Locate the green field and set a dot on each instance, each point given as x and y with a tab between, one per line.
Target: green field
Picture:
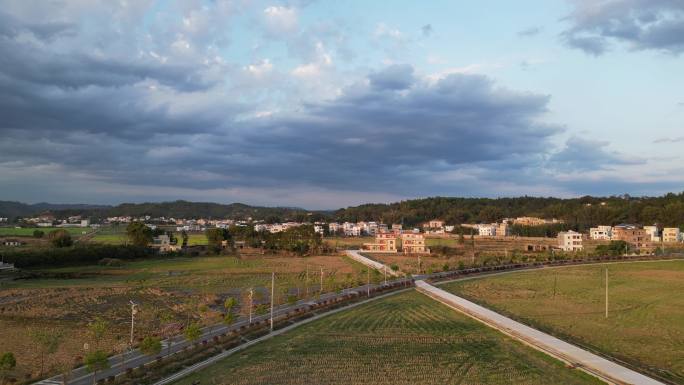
28	231
645	325
403	339
118	237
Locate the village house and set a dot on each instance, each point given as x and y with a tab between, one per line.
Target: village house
652	232
570	241
487	230
671	235
600	233
433	224
384	243
636	237
412	243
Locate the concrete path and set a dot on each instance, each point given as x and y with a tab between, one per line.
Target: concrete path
355	255
589	362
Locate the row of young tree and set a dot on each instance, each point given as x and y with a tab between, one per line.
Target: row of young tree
579	213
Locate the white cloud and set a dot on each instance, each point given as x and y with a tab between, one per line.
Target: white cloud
281	20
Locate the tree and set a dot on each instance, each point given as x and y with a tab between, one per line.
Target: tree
139	234
38	234
60	238
96	361
184	235
7	364
230	303
48	341
193	332
229	318
151	346
215	238
97	330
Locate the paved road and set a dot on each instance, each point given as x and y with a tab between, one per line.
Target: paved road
598	366
119	363
355	255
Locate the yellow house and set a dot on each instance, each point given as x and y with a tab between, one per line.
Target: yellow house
384	243
413	243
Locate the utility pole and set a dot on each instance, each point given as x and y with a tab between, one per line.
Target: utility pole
272	296
368	284
555	284
606	292
385	270
251	304
306	283
321	280
134	311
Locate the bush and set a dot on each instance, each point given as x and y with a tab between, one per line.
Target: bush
110	262
60	238
38	234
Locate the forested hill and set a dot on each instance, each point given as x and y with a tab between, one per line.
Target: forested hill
9	209
580	213
190	210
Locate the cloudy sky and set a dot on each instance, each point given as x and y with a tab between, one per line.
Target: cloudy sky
323	104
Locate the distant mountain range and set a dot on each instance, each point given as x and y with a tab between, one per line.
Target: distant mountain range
176	209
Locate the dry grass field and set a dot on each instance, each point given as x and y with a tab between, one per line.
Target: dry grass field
168	290
404	339
645	326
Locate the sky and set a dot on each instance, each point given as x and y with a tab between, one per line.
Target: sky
326	104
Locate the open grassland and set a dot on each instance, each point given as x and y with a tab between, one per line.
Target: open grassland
348	242
403	339
116	235
177	290
645	326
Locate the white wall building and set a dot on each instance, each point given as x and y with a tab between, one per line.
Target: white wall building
601	233
487	230
570	241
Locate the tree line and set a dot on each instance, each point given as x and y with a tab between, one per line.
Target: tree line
579	213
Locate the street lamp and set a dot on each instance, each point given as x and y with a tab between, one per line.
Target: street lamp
134	311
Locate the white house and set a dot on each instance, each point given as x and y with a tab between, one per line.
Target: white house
570	241
487	230
601	233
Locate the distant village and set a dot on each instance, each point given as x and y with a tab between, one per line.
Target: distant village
394	238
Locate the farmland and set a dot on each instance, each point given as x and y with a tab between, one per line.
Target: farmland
645	326
404	339
28	231
65	300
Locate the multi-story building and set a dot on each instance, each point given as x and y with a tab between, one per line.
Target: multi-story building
600	233
397	227
487	230
503	230
671	235
570	241
413	243
433	224
653	233
636	237
384	243
334	227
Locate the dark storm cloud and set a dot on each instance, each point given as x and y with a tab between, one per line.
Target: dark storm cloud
584	155
396	77
642	24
